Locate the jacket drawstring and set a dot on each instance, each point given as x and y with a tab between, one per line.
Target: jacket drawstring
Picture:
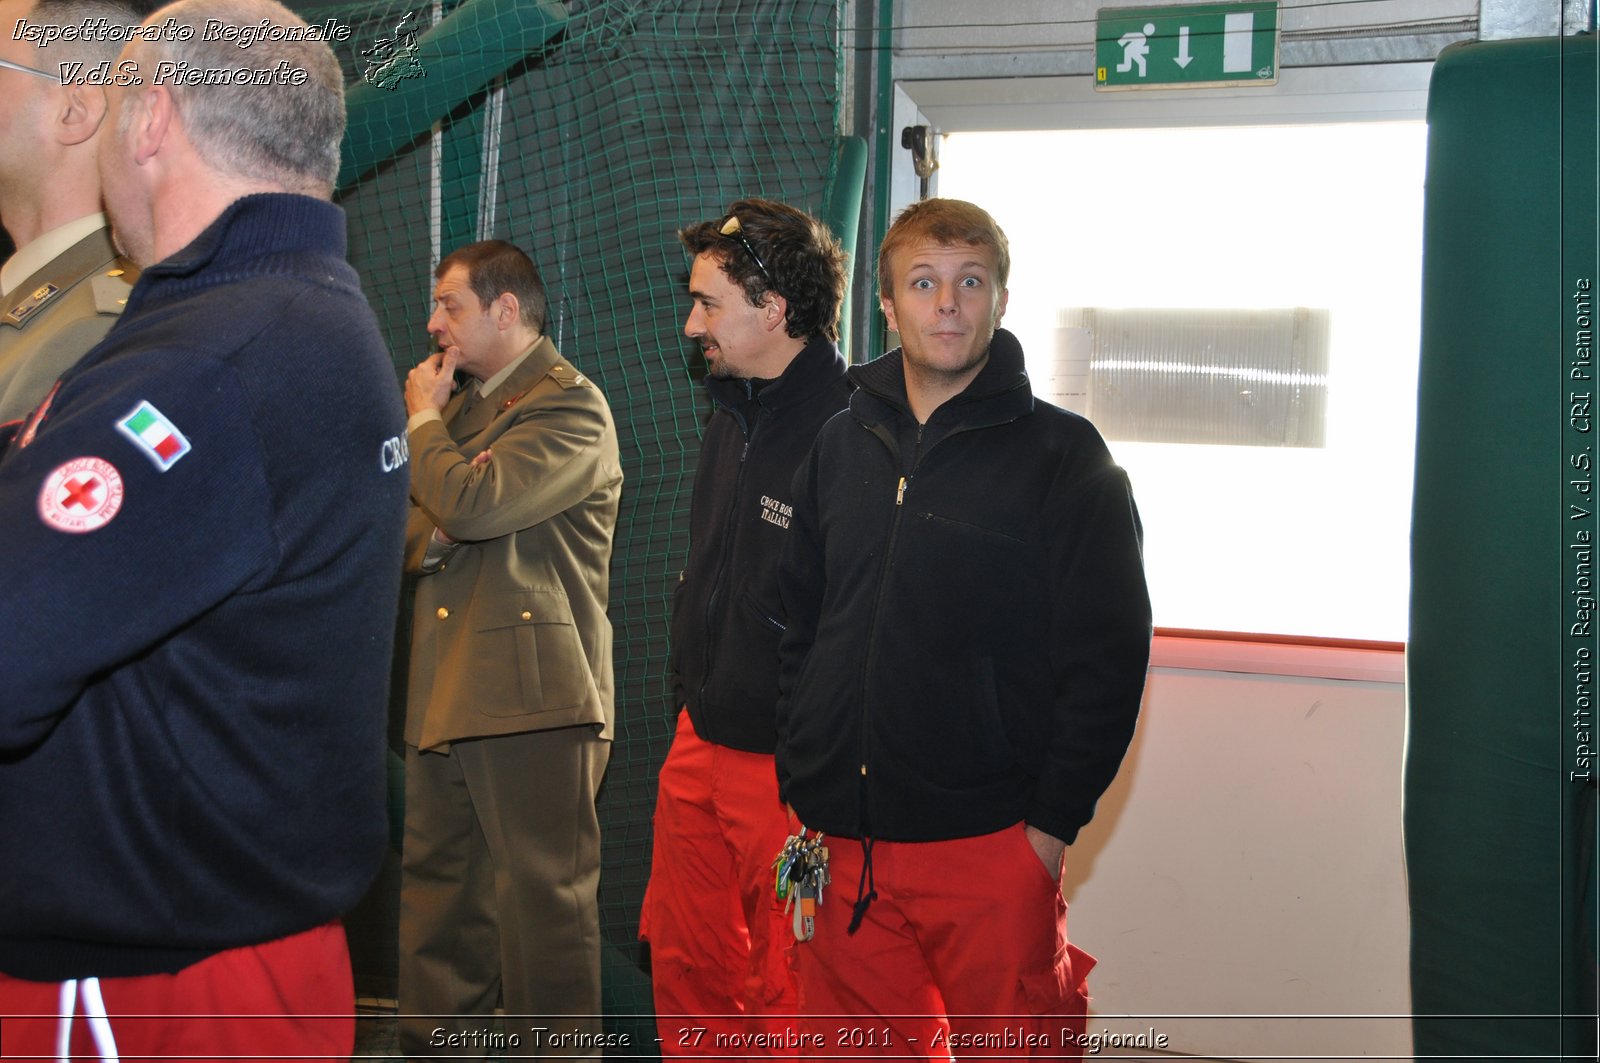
866	891
866	886
94	1013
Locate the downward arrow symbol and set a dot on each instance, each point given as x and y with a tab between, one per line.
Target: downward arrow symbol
1184	58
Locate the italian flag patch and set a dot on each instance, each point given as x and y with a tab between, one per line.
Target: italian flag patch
153	434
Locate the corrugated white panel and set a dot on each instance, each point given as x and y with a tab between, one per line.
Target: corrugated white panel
1239	377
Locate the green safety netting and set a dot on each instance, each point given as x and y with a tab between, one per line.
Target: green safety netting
587	133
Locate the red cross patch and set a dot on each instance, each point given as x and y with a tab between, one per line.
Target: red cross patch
80	496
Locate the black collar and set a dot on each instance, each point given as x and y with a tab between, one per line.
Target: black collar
817	366
1000	392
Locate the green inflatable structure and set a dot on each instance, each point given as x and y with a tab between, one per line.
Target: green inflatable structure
1503	662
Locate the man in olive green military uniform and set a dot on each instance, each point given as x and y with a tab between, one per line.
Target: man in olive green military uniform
516	480
62	289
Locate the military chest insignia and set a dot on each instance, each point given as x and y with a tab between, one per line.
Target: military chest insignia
81	496
30	427
23	310
155	436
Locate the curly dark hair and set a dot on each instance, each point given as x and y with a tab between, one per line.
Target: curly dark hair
802	262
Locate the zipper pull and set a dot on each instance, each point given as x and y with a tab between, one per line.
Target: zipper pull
900	494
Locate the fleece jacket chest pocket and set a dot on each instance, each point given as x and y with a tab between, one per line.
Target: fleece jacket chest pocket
987	564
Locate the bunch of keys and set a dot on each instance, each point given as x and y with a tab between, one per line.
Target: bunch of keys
802	872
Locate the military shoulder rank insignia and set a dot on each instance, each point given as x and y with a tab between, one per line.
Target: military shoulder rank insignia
110	292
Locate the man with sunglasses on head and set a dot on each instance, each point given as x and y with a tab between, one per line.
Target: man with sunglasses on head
765	285
65	285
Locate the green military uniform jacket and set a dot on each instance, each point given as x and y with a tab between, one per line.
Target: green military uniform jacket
510	633
50	320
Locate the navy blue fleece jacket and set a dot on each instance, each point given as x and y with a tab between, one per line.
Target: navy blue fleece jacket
202	537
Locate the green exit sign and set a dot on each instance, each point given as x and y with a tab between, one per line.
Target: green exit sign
1186	47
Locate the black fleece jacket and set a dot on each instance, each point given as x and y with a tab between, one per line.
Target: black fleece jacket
968	621
726	614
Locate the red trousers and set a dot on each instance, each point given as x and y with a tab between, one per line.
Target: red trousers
290	999
963	953
720	943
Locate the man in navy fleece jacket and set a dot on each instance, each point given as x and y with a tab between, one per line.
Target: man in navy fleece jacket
202	526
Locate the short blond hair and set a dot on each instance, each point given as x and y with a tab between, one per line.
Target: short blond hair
948	223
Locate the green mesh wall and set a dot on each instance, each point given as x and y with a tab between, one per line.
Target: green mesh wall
625	121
